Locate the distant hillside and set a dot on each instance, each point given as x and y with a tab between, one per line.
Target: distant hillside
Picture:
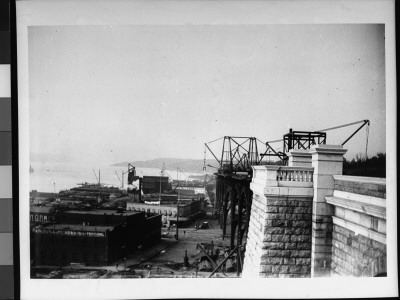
186	165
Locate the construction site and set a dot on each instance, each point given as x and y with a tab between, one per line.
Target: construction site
212	244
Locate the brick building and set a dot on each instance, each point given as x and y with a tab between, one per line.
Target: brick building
97	237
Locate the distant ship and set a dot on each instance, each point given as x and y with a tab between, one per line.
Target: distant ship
31	169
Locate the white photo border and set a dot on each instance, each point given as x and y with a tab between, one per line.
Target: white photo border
90	12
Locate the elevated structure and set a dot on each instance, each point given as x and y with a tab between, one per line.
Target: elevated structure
241	156
311	221
233	194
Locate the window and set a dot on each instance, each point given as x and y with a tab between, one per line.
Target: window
45	218
41	218
31	217
36	218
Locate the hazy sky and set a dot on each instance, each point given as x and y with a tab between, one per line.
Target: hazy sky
122	93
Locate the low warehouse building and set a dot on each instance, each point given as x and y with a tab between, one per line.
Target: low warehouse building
97	237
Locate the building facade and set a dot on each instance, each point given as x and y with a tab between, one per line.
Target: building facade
41	214
189	210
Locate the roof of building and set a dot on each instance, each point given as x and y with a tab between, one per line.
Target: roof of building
101	212
151	178
75	227
41	209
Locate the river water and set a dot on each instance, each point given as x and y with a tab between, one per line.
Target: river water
57	176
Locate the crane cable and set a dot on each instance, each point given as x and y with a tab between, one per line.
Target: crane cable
204	165
215	140
205	150
366	149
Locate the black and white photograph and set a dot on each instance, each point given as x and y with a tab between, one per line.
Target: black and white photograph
170	145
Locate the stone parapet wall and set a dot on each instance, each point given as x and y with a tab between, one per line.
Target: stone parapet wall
375	187
359	227
356	255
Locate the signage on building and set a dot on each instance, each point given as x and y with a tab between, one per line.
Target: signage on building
195	189
152	202
69	232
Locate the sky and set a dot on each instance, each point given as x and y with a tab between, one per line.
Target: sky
122	93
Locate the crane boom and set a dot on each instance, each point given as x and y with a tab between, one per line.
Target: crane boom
95	175
118	177
345	125
337	127
365	122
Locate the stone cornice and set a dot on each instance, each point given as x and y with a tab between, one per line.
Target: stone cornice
328	150
374	180
368	209
299	153
363	199
295	192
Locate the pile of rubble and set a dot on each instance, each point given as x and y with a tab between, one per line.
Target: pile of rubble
213	256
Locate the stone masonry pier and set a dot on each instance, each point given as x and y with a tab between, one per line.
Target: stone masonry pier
279	238
308	220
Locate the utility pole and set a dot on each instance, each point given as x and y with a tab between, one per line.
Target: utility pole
177	217
177	208
99	189
159	197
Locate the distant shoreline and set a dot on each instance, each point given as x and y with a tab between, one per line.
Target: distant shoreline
186	165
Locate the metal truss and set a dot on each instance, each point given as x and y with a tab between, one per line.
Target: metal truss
302	139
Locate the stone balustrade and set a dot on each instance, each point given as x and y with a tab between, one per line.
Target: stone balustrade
283	176
302	174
